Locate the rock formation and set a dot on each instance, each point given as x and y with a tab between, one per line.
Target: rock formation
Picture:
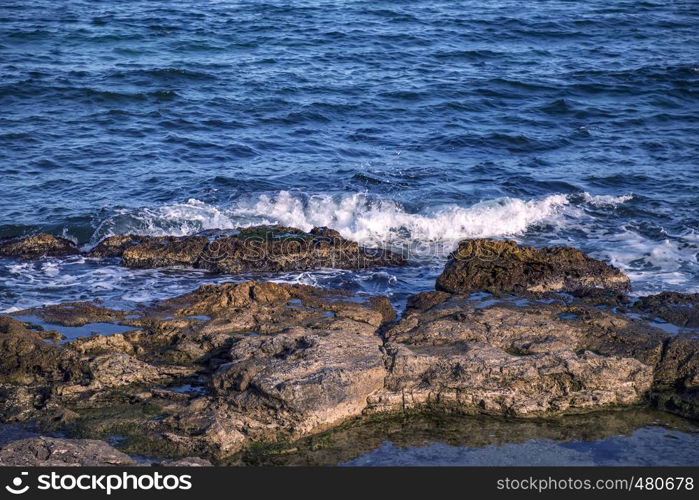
504	266
215	372
40	245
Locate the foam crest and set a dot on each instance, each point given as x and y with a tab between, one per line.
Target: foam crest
363	219
356	216
606	200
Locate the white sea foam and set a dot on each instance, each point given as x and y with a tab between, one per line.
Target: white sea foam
606	200
669	261
357	216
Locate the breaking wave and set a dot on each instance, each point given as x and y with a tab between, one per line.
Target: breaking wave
356	216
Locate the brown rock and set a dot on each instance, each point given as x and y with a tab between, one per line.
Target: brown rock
119	369
261	360
213	371
302	380
474	377
164	251
503	266
29	359
523	326
518	358
681	309
258	248
53	452
114	246
40	245
74	314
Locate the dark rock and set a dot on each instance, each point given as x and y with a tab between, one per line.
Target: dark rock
53	452
40	245
164	251
258	248
114	246
74	314
29	359
278	248
503	266
326	232
186	462
676	387
681	309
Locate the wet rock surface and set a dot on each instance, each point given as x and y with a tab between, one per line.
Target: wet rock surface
680	309
504	266
73	313
40	245
267	248
52	452
257	248
419	429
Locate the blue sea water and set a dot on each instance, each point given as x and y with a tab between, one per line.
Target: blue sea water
405	124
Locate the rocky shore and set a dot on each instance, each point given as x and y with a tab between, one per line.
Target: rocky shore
509	332
268	248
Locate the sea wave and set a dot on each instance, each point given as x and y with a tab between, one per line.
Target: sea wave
606	200
357	216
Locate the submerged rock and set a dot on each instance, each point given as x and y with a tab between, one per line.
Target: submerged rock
186	462
53	452
427	428
40	245
504	266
